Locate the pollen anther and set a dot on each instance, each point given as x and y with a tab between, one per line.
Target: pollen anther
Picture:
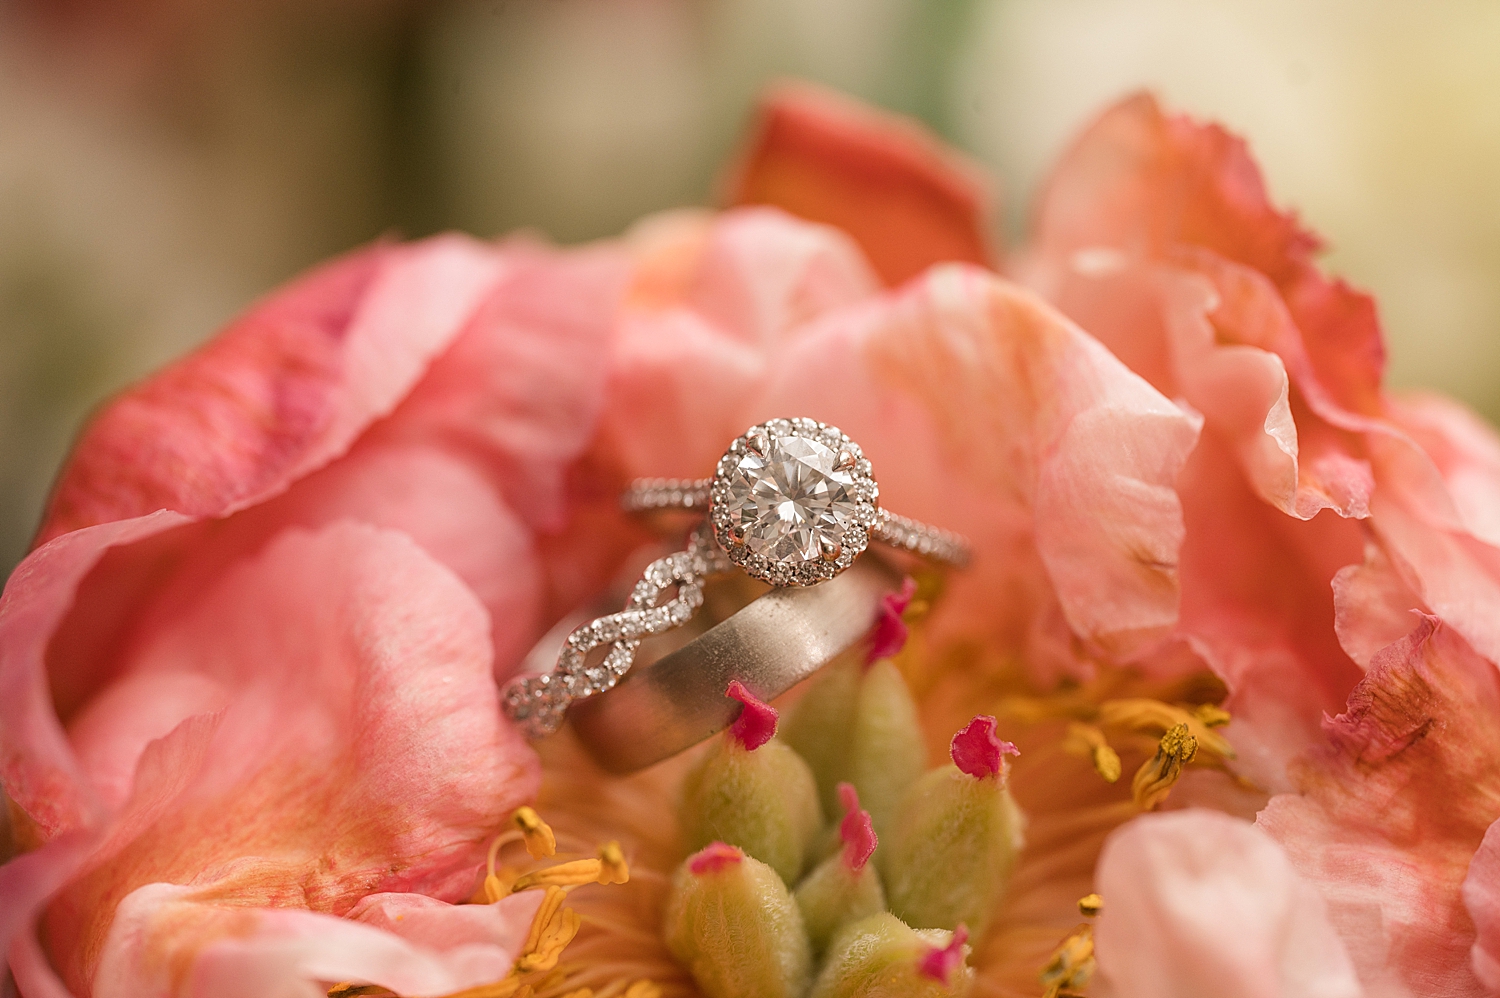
1154	780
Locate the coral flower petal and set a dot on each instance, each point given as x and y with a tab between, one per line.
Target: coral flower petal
282	392
1391	812
1482	899
357	748
1142	182
906	199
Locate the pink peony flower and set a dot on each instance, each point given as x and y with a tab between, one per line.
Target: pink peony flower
248	721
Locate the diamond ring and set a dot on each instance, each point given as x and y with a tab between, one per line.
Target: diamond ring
793	503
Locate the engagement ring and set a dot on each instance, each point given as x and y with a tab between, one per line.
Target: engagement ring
793	503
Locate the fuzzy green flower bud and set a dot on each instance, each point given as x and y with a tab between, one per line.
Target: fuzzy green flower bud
731	922
843	888
754	792
858	724
948	857
882	957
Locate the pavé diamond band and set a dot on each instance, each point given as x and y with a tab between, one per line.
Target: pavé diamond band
793	503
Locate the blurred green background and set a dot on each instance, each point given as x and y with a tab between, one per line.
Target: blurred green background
162	162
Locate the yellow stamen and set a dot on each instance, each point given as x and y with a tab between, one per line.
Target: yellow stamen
643	989
1071	964
574	874
1153	716
506	987
540	842
612	866
1087	740
1211	716
350	990
1154	780
551	930
1090	905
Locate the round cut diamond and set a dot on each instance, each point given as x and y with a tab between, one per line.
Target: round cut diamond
791	502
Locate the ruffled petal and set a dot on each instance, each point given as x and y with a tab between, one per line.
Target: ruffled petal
986	412
1199	903
906	199
1146	184
1389	814
280	393
1481	893
359	748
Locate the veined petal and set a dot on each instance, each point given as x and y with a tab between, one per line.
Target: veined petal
1389	815
359	750
1200	903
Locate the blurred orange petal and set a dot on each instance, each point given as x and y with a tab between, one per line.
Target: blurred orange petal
906	199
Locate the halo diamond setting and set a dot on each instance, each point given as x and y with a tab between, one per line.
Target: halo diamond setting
793	502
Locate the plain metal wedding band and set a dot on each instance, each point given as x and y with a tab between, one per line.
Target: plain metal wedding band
772	644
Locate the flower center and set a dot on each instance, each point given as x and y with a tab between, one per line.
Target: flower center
792	502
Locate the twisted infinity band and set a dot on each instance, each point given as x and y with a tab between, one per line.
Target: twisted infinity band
793	503
537	703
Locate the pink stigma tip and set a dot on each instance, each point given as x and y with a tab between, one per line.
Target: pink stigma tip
714	857
855	831
890	632
757	721
939	963
977	751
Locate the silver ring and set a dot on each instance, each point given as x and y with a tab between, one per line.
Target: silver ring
793	503
772	644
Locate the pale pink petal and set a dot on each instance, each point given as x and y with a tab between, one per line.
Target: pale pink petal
1481	892
442	926
1199	903
1390	812
1417	520
1466	451
685	372
762	274
283	391
361	749
165	942
1373	606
